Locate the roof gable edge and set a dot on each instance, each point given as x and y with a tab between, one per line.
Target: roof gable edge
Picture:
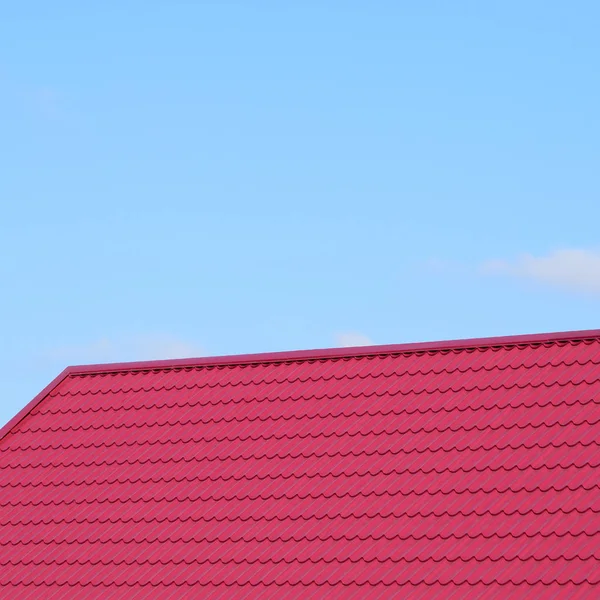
7	428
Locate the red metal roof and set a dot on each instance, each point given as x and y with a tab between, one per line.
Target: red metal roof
459	469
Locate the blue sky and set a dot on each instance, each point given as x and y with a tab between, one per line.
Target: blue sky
191	178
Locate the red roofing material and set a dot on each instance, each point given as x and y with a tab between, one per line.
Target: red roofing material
459	469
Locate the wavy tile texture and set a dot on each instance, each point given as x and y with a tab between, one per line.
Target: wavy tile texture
442	473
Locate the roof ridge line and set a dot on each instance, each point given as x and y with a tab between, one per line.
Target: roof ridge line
299	355
334	353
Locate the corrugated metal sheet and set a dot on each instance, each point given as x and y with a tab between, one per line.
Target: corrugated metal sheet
429	472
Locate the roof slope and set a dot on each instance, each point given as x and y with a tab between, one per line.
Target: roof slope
461	469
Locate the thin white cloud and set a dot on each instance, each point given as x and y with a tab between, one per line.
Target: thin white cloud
132	348
573	269
350	339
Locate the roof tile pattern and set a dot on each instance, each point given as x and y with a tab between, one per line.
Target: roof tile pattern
465	472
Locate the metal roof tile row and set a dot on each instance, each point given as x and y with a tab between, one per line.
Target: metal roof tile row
468	470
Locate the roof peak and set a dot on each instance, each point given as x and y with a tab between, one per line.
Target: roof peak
331	353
